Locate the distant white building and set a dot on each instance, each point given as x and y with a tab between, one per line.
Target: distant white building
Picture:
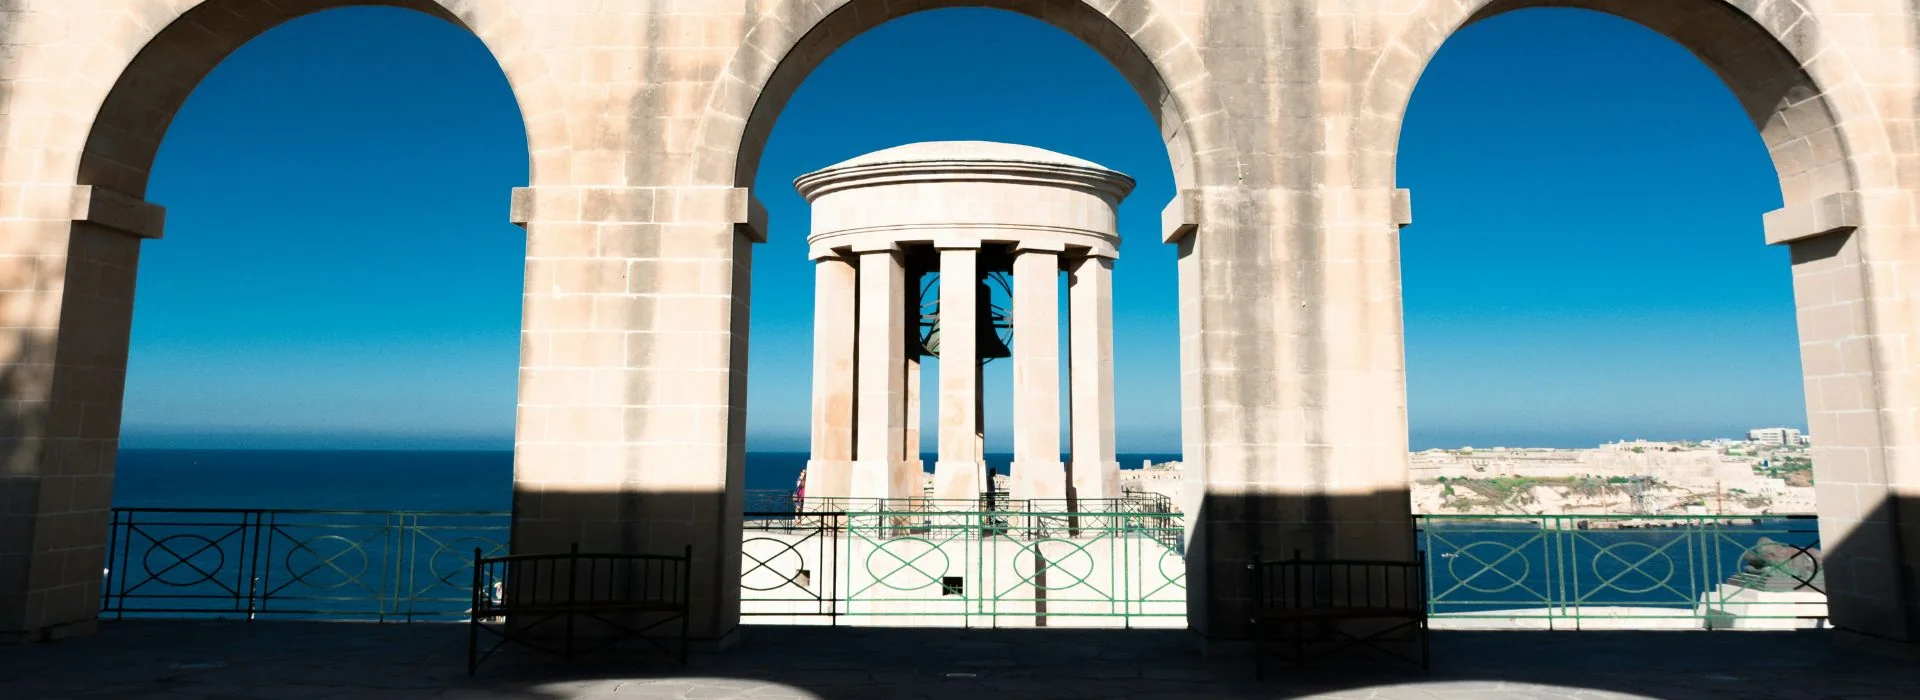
1774	436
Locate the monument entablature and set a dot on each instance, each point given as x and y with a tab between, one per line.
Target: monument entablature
965	194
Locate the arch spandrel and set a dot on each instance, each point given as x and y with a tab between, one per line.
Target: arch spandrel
787	40
1798	87
145	59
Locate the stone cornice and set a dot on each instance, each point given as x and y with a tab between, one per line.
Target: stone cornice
1112	185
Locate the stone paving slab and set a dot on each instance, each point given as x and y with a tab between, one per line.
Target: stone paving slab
300	660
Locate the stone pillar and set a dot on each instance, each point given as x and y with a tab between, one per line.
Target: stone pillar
1860	385
631	431
1096	469
959	473
879	469
1293	390
67	267
1037	470
830	468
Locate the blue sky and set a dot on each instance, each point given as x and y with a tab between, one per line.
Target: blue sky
1586	261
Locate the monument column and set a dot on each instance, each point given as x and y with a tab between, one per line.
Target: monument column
880	435
959	473
830	468
1037	471
1096	469
910	342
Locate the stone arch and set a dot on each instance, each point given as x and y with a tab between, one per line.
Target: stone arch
1844	219
125	132
783	45
1768	52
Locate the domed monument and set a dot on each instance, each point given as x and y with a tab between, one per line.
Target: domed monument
909	245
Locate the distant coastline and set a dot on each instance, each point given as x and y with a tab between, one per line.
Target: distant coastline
381	479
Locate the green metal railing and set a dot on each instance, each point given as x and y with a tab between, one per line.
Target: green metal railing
922	564
1582	567
967	568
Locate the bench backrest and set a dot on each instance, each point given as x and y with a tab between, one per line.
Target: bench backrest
1308	585
581	579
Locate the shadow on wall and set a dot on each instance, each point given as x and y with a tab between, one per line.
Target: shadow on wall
26	424
1228	533
19	493
547	521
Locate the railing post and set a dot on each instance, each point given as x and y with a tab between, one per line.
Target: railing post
257	585
113	544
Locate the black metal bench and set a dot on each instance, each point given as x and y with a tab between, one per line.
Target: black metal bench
1297	593
518	597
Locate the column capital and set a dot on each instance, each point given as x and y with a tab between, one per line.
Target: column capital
129	215
1055	247
1834	213
954	243
1181	217
869	247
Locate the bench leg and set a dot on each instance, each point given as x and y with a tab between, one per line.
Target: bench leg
1259	665
568	645
1299	643
1424	646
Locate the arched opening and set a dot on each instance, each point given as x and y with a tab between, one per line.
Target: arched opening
320	247
361	216
758	85
911	80
1715	319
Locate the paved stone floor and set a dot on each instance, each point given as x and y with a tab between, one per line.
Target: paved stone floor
343	660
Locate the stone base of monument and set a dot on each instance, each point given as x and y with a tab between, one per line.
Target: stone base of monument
1733	607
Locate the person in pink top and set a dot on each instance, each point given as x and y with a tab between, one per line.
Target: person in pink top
800	491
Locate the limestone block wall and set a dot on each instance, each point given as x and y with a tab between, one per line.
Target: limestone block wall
646	120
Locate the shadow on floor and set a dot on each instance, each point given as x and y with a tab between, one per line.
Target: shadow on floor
178	659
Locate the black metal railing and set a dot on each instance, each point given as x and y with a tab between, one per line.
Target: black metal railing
789	564
250	563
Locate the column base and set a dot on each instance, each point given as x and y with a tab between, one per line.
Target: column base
829	479
1882	646
1037	480
1214	648
714	645
1096	480
959	480
917	472
51	633
893	480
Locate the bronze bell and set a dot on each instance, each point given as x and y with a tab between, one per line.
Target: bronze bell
987	324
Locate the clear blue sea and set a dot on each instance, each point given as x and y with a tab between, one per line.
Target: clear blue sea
376	480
